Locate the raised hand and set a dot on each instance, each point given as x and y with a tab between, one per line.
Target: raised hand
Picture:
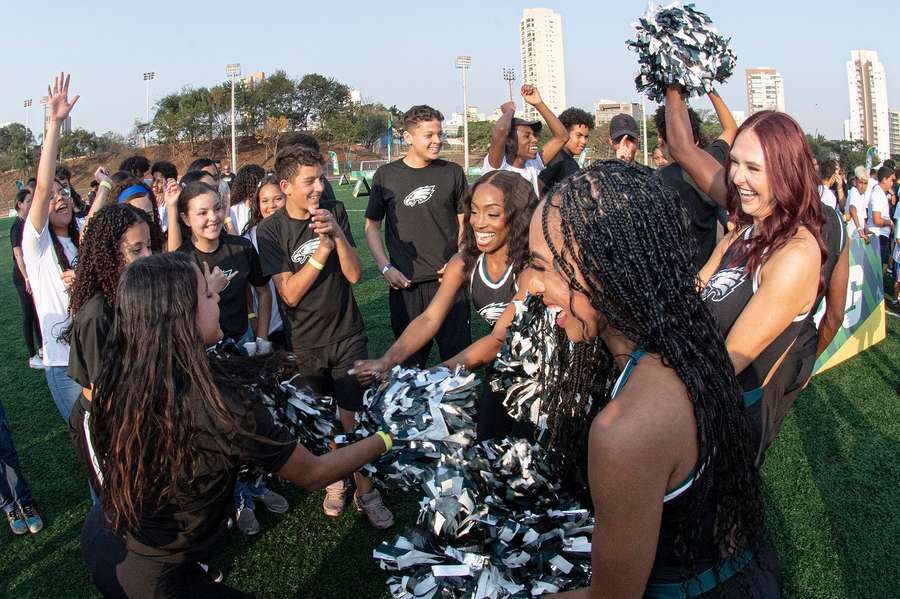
531	95
508	107
58	104
101	175
171	193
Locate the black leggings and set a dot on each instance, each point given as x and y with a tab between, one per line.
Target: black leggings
119	573
31	327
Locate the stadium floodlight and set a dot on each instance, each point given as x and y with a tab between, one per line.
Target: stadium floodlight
27	105
233	70
148	77
463	63
509	75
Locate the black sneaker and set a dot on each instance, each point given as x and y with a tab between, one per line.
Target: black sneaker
214	573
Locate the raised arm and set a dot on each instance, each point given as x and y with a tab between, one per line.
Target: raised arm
497	150
103	190
58	108
701	166
726	119
560	134
173	231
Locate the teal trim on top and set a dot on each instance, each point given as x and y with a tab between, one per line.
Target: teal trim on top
752	396
701	583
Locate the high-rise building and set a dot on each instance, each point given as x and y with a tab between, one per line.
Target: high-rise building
739	117
355	97
65	126
605	110
869	119
541	46
765	90
253	79
894	127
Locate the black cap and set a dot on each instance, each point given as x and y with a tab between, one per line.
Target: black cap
535	125
623	124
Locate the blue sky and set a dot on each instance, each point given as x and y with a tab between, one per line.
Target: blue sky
402	52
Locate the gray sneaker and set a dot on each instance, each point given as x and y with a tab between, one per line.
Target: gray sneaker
274	502
246	521
373	506
335	498
16	521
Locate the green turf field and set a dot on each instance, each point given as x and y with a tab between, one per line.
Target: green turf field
831	484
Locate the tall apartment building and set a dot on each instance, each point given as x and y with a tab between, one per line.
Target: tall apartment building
541	47
765	90
869	119
894	127
605	110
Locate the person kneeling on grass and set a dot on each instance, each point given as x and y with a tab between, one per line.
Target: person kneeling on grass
169	437
307	248
491	269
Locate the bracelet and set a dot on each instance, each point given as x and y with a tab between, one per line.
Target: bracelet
386	268
228	220
315	263
251	315
106	185
388	441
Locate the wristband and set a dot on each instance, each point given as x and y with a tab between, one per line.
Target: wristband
388	442
316	264
106	185
227	220
251	315
386	268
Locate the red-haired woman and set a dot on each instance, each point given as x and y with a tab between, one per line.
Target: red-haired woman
763	279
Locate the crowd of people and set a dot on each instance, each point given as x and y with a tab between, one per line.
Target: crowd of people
705	331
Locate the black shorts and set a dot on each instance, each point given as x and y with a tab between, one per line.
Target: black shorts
325	369
455	333
884	243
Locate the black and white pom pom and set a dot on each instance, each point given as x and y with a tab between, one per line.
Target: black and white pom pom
679	44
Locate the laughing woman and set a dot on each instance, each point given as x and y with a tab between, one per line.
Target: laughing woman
675	490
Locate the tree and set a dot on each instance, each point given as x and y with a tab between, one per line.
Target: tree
78	142
318	98
480	136
270	132
17	149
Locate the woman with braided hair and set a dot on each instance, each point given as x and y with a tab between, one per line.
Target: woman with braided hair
243	189
675	490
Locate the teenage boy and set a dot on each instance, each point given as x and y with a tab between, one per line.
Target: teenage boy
579	124
421	197
623	137
308	250
514	142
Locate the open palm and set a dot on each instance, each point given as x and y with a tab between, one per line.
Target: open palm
58	104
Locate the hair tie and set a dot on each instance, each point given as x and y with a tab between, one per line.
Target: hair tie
133	191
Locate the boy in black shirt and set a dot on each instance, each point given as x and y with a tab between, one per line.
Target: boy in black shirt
579	124
308	250
422	198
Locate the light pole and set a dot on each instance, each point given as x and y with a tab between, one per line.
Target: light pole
463	63
27	105
148	77
509	75
233	70
44	102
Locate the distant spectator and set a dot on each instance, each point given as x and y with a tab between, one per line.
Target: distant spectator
857	206
879	217
624	139
136	165
579	125
828	174
159	172
31	328
659	157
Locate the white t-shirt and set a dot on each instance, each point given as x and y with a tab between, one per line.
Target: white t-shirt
878	202
275	322
163	217
530	171
240	214
858	200
51	300
896	221
827	196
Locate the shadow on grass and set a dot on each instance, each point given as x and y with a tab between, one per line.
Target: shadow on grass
853	464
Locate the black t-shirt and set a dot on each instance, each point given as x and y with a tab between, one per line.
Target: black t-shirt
327	313
701	209
233	254
422	207
90	328
15	238
192	524
562	166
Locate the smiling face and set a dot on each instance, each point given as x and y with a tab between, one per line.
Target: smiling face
207	317
575	314
425	139
305	189
578	139
488	218
23	207
60	208
205	215
271	198
748	173
135	243
526	142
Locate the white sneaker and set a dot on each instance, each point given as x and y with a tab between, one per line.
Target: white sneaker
36	362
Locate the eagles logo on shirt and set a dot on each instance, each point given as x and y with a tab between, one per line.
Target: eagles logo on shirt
419	195
723	283
227	274
492	312
302	253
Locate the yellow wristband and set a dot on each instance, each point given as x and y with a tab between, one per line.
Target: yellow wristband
316	264
227	220
106	184
251	316
388	441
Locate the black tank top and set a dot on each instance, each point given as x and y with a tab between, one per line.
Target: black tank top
726	294
490	298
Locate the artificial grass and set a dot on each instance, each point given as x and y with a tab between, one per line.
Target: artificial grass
831	483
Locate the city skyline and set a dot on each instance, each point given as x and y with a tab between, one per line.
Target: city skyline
542	58
410	66
868	98
765	90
